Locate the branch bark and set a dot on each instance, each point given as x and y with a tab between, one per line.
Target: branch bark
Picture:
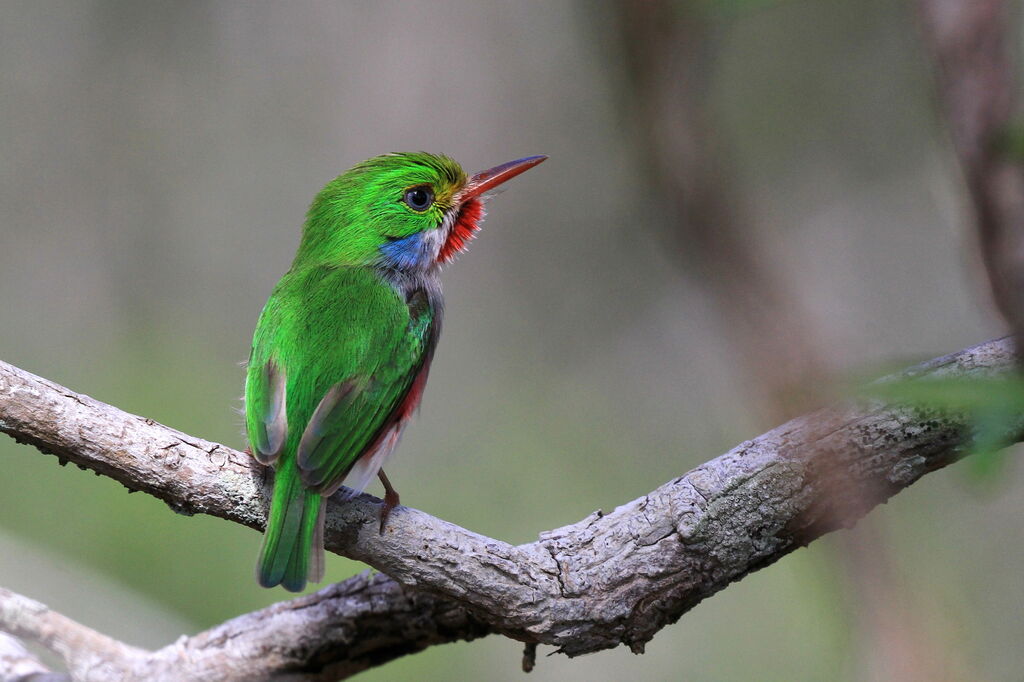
18	664
328	635
87	653
607	580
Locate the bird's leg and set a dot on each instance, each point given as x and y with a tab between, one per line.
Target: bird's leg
390	499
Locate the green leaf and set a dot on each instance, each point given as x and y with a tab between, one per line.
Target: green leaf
1010	140
994	407
953	394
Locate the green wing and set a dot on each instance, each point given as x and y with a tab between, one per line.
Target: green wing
349	350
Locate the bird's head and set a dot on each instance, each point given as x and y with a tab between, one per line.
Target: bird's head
410	211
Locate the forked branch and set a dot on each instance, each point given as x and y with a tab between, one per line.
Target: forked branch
607	580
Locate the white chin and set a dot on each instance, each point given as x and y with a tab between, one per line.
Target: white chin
434	239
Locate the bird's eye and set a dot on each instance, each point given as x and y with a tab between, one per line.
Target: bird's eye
419	198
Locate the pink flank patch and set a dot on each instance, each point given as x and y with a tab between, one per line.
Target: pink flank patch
463	231
412	398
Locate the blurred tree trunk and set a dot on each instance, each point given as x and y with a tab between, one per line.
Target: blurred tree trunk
670	50
970	45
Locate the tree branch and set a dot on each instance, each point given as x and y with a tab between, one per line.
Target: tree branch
19	664
87	653
328	635
609	579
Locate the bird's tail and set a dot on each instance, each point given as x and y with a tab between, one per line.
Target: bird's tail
293	545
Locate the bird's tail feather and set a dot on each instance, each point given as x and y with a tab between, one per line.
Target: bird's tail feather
292	550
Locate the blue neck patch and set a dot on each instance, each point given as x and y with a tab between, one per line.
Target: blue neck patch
407	253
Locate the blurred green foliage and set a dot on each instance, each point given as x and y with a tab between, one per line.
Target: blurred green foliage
992	407
1010	141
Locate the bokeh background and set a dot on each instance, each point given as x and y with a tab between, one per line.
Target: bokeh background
601	337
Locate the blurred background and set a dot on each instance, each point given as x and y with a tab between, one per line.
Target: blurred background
746	202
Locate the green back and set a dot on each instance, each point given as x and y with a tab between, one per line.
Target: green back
327	327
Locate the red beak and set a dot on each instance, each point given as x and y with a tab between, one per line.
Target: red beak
492	177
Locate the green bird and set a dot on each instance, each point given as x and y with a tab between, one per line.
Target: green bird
342	349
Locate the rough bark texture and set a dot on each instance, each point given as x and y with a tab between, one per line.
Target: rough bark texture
329	635
609	579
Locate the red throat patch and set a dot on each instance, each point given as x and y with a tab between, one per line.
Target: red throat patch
463	230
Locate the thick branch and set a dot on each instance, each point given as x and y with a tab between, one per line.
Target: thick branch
18	663
329	635
610	579
87	653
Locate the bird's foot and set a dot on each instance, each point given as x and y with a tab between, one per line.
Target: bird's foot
391	500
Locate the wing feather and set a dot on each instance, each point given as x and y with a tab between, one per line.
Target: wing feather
346	429
363	352
361	416
312	445
271	426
